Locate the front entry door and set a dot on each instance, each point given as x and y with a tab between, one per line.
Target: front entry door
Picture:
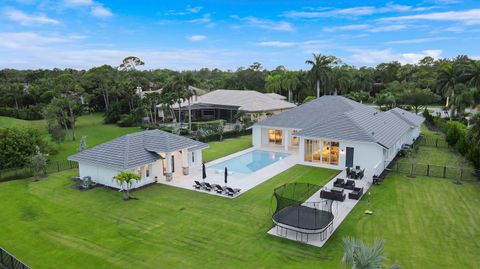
349	157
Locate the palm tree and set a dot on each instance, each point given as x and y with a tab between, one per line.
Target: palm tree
188	94
446	81
321	66
274	83
290	81
180	88
472	74
126	178
361	256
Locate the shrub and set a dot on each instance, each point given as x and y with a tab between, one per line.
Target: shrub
428	117
210	125
113	113
131	120
29	113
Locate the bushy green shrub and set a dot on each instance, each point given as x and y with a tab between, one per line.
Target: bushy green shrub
428	117
133	119
113	113
29	113
210	125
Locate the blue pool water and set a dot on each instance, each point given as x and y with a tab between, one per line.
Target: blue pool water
250	162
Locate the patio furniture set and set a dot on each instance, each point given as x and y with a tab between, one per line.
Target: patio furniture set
228	191
337	192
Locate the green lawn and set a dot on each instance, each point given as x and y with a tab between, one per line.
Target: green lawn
226	147
12	122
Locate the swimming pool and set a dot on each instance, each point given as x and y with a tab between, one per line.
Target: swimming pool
250	162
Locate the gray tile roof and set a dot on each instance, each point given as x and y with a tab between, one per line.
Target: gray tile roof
249	101
339	118
135	149
411	118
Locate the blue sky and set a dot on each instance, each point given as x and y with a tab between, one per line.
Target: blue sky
228	34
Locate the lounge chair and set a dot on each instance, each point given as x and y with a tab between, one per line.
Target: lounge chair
207	186
219	189
231	192
339	182
198	185
350	184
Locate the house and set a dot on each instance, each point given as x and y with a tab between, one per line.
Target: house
153	154
224	104
336	132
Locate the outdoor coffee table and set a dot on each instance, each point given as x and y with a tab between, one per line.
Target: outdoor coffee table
336	189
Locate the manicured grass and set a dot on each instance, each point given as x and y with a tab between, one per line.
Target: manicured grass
226	147
95	130
12	122
48	224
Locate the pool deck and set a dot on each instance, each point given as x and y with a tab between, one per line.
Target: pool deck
340	210
244	182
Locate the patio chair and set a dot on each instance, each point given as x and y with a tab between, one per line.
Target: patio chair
350	185
357	167
348	170
198	185
219	189
356	194
339	182
231	192
361	174
207	186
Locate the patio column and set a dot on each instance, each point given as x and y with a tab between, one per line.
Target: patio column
185	166
285	138
168	172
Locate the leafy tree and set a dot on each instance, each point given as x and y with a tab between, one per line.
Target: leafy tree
385	99
125	179
418	97
18	145
472	74
308	99
290	82
321	67
130	63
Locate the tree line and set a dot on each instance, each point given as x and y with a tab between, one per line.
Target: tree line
61	95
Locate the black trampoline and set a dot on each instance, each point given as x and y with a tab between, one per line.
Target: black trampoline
304	219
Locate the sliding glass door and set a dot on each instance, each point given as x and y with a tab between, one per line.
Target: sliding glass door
326	152
275	137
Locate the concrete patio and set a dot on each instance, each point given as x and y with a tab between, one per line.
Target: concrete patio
340	210
244	182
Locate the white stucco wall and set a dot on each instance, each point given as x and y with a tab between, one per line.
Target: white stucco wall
256	136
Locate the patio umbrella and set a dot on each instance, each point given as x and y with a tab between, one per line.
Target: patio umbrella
226	175
204	172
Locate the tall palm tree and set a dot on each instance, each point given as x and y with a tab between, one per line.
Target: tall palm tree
188	94
180	87
446	81
321	66
290	82
472	74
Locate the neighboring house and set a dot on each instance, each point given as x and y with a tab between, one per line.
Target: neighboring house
224	104
153	154
336	132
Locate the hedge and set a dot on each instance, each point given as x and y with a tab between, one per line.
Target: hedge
213	125
30	113
230	134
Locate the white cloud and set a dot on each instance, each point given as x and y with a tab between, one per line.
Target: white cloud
417	40
265	24
78	2
346	27
101	11
28	19
188	10
388	28
354	11
279	44
372	57
25	40
196	37
468	17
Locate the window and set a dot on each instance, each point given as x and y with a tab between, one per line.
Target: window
193	157
140	171
275	136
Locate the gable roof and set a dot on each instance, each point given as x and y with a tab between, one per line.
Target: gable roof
339	118
135	149
249	101
411	118
276	96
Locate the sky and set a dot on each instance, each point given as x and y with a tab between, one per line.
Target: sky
187	35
